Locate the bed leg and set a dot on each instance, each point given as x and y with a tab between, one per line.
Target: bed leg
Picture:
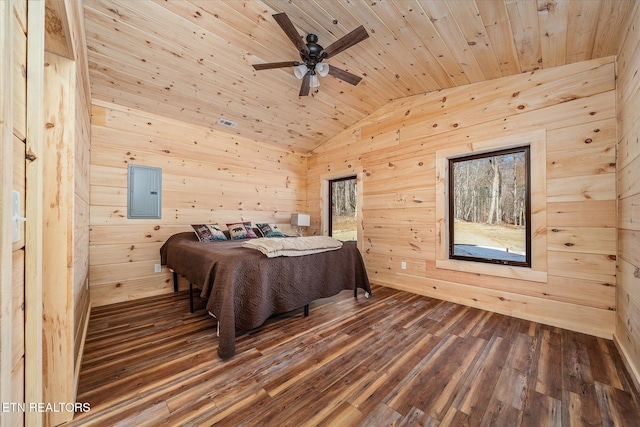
191	297
306	310
355	294
175	282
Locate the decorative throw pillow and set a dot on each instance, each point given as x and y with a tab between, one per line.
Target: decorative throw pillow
241	230
216	232
270	230
208	232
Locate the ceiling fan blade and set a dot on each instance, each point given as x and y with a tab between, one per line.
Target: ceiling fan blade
271	65
287	26
304	88
344	75
345	42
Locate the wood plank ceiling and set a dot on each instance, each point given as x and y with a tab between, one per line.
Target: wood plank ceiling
192	60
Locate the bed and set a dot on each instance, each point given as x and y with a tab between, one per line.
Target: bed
243	287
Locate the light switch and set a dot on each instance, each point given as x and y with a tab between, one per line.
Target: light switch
16	218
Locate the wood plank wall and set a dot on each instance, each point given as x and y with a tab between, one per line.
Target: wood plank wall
208	176
81	156
19	90
65	242
34	206
13	108
627	331
57	287
394	151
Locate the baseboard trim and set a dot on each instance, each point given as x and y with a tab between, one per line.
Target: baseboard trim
76	374
633	373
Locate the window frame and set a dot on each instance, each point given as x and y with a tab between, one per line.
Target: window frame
526	149
330	198
465	143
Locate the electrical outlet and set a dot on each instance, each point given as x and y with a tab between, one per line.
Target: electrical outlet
403	265
158	268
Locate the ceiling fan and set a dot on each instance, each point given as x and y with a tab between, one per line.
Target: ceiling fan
312	55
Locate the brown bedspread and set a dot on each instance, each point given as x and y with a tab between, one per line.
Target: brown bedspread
243	287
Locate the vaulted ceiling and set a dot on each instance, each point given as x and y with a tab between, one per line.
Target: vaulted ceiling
192	60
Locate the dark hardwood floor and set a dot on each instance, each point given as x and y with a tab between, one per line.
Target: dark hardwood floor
394	359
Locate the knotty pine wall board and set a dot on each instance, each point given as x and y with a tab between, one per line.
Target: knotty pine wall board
571	104
628	146
591	240
19	74
13	51
581	150
65	38
629	179
628	212
431	112
149	138
66	227
133	233
591	213
581	110
627	332
208	176
134	286
418	139
629	245
123	252
81	203
627	274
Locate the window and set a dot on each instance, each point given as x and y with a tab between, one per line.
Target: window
343	221
489	207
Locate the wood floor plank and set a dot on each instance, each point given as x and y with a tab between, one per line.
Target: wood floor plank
392	359
454	417
541	410
479	386
394	373
614	406
584	411
382	415
501	414
549	374
515	380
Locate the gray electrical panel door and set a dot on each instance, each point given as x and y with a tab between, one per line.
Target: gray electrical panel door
144	192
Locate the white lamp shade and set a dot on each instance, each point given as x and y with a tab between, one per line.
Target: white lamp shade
322	69
315	81
300	70
300	220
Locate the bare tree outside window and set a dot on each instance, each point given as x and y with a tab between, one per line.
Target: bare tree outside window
489	204
343	213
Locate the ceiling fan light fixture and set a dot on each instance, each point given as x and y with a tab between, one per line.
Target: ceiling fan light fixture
300	70
322	69
315	81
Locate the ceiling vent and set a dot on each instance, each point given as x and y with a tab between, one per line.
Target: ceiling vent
227	123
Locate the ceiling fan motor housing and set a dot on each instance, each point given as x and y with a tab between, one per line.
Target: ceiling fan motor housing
314	55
